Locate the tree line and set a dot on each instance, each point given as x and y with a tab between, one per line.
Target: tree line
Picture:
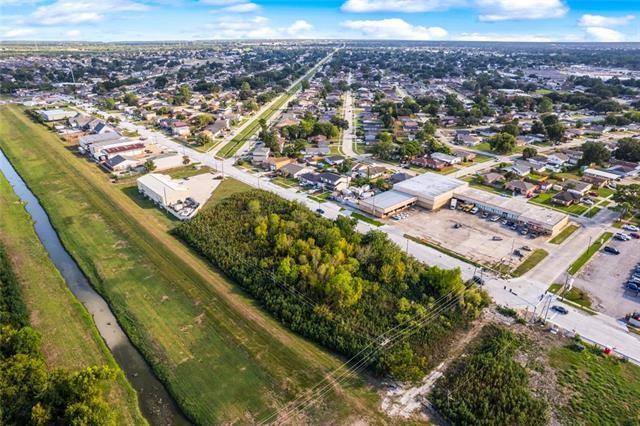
326	281
30	393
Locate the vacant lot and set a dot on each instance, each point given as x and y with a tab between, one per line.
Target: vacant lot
604	277
69	337
473	240
220	355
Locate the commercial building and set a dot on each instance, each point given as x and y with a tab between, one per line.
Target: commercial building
387	203
180	197
56	114
432	191
537	219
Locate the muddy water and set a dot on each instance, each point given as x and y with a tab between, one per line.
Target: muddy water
156	404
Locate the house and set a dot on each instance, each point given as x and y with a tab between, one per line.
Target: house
334	181
276	163
310	179
399	177
576	186
493	179
520	168
180	128
464	155
315	151
538	161
521	187
121	164
557	159
430	163
260	155
80	121
565	198
334	160
573	156
293	170
87	141
217	128
446	158
128	149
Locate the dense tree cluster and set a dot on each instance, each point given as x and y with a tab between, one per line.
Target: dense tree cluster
628	149
326	281
489	387
30	394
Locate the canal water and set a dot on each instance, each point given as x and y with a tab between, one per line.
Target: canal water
156	404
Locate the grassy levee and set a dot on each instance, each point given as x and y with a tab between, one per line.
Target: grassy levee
70	339
221	357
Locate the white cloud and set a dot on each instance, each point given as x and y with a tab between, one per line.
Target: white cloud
395	29
605	34
64	12
256	27
503	37
505	10
17	32
604	21
241	8
72	33
298	27
221	2
360	6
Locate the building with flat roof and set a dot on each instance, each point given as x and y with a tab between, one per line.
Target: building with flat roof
538	219
56	114
387	203
431	190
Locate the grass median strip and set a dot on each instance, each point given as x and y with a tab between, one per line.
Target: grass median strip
367	219
530	262
564	234
223	358
575	295
593	249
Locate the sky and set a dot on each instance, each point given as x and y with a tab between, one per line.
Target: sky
468	20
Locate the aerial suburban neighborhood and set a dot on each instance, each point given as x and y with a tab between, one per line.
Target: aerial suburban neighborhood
320	231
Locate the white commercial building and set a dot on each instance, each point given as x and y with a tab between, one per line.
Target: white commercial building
431	190
56	114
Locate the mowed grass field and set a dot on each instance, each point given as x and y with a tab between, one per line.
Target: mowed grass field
222	357
70	340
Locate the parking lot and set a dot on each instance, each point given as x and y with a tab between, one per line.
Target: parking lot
478	239
604	278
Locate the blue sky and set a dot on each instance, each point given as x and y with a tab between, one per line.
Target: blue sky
500	20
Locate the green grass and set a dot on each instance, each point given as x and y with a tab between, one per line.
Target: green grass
70	339
221	356
285	182
600	390
187	171
367	219
226	188
593	249
530	262
592	212
564	234
544	200
605	192
575	295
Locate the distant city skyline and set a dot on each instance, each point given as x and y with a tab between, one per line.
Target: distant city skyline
465	20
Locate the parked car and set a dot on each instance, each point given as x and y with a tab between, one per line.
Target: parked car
518	253
319	211
628	227
620	237
560	309
496	238
611	250
526	248
495	218
632	286
634	235
474	210
457	225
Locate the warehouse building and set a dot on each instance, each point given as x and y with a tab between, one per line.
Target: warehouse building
431	190
180	197
538	219
387	203
55	114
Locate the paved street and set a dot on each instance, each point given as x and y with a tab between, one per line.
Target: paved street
349	134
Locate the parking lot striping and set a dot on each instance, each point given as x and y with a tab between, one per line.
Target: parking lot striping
593	249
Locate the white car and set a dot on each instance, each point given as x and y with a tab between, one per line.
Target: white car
630	228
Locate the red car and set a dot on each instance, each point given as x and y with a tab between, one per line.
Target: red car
635	235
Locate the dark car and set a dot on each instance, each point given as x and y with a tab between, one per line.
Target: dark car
611	250
478	280
635	235
319	211
633	286
560	309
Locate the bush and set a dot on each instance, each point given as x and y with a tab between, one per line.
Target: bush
326	281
